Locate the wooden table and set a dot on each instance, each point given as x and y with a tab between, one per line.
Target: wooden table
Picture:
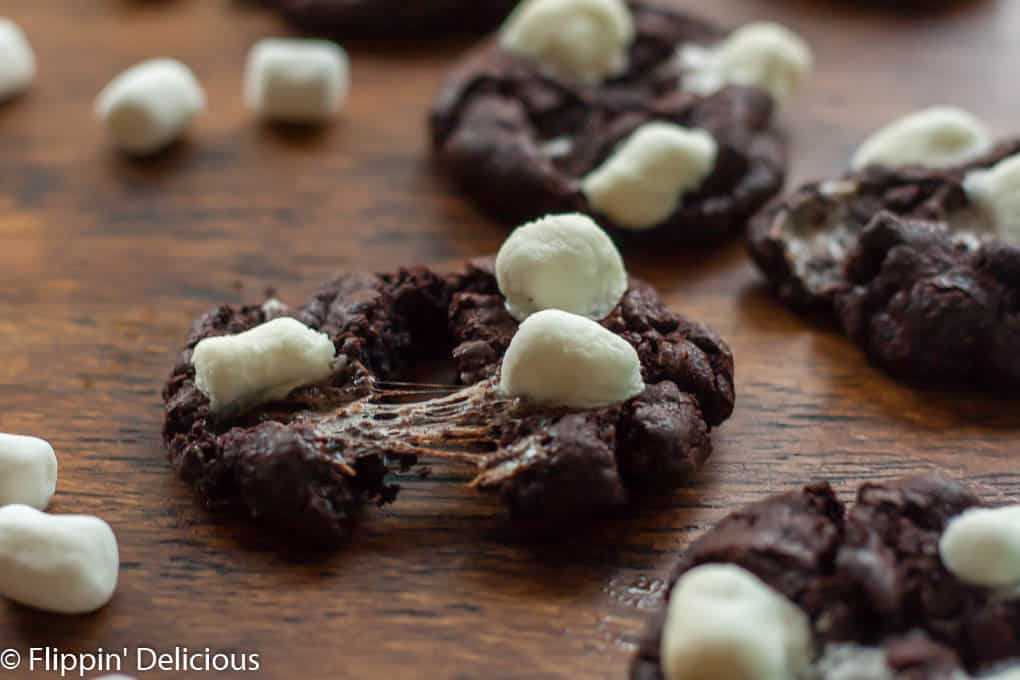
104	262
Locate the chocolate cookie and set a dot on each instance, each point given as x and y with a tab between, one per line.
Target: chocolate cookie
418	18
521	141
881	603
907	265
304	465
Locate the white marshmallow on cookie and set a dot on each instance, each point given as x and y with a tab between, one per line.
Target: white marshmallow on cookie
562	262
996	193
17	60
724	622
28	471
261	365
68	564
296	80
646	177
764	55
562	359
936	138
583	40
150	106
982	547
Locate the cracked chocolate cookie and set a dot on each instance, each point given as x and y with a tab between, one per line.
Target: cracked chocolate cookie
658	124
294	416
379	18
916	260
916	581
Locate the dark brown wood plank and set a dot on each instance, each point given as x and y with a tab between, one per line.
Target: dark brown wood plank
104	263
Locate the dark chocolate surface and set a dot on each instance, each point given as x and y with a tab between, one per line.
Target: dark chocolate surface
902	261
870	575
498	115
304	466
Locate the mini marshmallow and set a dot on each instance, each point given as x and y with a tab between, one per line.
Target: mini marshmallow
764	55
996	192
937	138
262	364
648	174
560	262
982	547
28	471
724	622
585	40
296	80
563	359
17	60
150	106
59	563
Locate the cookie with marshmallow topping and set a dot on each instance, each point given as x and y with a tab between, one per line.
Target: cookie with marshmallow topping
913	252
799	586
656	123
292	417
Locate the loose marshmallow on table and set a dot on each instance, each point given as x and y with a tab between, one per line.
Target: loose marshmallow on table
28	471
563	359
262	364
647	175
296	80
938	137
982	547
724	622
560	262
60	563
764	55
585	40
996	192
17	61
150	106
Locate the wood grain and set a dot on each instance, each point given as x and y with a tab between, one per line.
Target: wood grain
104	263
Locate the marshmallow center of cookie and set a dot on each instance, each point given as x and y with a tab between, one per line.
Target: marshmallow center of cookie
937	138
568	360
643	181
996	193
764	55
724	622
584	40
982	547
560	262
261	365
